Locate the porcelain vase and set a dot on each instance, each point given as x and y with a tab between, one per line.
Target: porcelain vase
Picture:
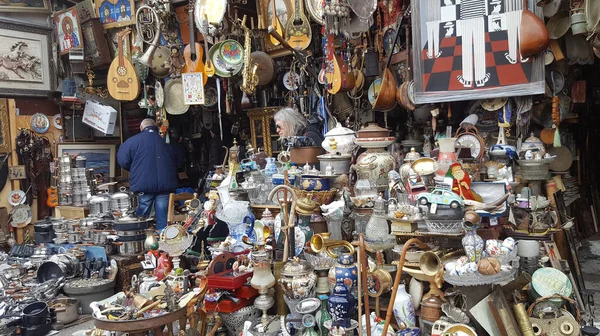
384	162
415	289
270	167
344	272
472	243
404	310
342	306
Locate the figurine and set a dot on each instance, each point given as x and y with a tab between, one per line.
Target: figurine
461	183
176	62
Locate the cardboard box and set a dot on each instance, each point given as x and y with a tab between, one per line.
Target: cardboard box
100	117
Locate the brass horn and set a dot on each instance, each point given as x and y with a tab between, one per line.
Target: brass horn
321	242
430	263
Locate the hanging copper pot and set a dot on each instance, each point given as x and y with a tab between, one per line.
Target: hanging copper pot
534	36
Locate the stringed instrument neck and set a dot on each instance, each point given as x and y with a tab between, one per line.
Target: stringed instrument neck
192	53
299	34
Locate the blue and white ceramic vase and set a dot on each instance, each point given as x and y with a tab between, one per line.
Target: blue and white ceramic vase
404	310
344	272
270	167
342	305
472	243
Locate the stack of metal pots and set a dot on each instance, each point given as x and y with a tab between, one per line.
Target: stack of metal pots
79	182
65	187
132	234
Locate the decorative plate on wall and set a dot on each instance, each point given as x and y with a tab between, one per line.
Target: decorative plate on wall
39	123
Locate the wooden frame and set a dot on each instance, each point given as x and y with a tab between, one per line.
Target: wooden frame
4	127
17	172
31	58
264	117
445	72
109	12
95	154
68	30
28	6
264	10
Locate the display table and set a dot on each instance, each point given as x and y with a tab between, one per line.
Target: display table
141	326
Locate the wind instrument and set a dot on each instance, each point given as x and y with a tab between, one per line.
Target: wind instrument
148	28
249	76
321	243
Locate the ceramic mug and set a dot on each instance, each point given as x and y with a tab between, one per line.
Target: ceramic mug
528	248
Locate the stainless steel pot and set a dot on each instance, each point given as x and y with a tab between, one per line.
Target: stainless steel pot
130	247
67	309
59	225
68	263
99	205
74	237
122	202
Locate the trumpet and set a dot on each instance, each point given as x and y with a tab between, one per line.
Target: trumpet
321	243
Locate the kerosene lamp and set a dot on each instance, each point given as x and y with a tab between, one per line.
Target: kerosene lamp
262	278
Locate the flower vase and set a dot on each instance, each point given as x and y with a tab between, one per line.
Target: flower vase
404	310
304	232
446	156
324	315
270	167
472	243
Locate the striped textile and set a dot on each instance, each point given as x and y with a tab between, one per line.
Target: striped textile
470	9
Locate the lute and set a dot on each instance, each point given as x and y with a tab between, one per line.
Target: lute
298	30
209	68
276	24
123	83
193	51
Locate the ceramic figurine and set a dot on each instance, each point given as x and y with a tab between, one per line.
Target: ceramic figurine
461	183
176	62
334	213
341	306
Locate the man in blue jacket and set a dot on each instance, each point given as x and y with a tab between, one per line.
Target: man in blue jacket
152	164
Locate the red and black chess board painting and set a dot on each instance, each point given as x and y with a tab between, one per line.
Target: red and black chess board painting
469	49
441	74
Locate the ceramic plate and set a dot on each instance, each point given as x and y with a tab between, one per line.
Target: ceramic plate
372	143
563	161
222	68
21	214
460	330
39	123
231	52
290	81
374	89
315	9
16	197
388	40
57	121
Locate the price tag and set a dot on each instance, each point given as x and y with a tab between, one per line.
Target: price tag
433	208
493	221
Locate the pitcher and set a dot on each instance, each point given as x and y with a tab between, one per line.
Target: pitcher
446	156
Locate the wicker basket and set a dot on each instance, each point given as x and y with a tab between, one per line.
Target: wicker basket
535	170
451	226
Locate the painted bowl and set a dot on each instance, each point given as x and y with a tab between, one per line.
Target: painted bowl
314	183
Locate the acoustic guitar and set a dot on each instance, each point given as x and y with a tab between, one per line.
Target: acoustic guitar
122	80
276	24
193	51
209	68
298	30
52	191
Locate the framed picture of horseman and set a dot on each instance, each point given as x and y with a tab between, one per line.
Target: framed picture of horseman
25	59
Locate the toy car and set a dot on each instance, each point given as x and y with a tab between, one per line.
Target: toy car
440	196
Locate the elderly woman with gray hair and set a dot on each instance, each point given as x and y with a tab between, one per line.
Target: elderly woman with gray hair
289	122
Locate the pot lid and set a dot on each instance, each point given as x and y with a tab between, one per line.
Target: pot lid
296	267
533	140
412	155
119	195
373	127
339	130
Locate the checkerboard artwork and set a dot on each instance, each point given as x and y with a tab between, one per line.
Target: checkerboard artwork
442	50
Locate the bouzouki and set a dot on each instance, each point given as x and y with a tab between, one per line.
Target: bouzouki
276	24
122	80
193	51
209	68
298	30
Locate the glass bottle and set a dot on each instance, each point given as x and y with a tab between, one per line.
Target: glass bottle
364	187
377	232
324	315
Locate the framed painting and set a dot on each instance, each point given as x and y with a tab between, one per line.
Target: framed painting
16	173
285	9
25	56
115	13
26	6
4	136
100	157
469	49
68	30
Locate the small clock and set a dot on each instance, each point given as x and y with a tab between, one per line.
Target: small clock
469	137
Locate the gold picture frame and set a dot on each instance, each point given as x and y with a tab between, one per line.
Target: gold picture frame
29	6
111	13
17	172
265	13
4	127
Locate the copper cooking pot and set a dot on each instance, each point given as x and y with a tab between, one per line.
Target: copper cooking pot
534	36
